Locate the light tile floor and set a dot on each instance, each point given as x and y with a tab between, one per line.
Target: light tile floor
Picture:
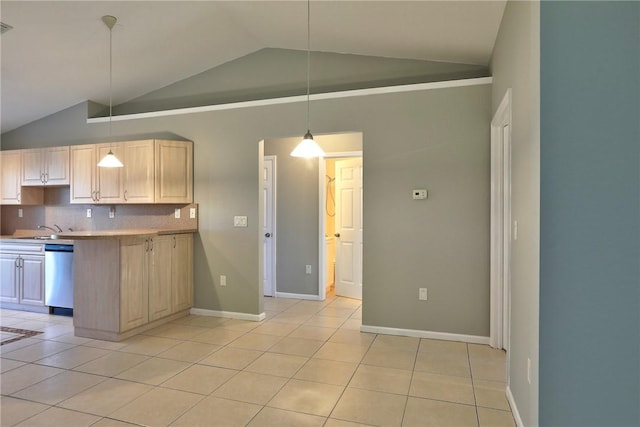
307	364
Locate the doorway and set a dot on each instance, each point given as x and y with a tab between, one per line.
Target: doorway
341	225
269	226
501	226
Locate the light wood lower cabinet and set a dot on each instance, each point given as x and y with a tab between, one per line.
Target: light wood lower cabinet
182	272
22	275
171	272
134	283
160	272
152	283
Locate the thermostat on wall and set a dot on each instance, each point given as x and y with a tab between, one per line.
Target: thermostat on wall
419	194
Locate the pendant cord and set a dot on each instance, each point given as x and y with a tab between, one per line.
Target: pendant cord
110	82
308	60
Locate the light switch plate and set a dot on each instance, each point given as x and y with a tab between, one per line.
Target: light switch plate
176	213
19	212
192	213
239	221
89	213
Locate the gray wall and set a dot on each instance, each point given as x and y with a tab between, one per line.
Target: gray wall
437	139
590	198
297	210
515	64
439	142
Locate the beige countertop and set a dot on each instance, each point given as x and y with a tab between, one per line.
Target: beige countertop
67	237
114	234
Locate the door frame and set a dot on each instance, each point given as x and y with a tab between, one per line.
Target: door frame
273	243
500	270
322	192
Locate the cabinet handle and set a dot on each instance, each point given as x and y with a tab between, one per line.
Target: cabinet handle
42	177
98	196
17	262
125	195
18	196
151	245
46	177
146	245
174	242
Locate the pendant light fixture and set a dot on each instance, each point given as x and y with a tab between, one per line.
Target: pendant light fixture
308	147
110	160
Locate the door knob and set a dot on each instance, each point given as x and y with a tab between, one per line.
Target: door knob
337	235
267	235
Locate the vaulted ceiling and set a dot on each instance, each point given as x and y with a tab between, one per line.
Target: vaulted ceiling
57	54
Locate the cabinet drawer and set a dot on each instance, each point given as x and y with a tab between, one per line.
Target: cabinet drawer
22	248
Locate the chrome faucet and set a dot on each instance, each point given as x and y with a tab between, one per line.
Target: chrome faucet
59	230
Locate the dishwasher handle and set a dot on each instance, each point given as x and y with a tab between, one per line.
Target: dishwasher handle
53	247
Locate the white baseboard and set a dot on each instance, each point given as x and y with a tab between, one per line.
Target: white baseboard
298	296
473	339
229	314
514	408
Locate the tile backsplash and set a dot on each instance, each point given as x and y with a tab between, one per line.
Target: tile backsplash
58	210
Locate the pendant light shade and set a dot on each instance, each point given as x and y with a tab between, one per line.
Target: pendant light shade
110	160
308	147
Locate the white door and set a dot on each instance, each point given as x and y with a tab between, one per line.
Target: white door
268	226
349	227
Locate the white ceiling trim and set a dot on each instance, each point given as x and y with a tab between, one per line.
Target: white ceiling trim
298	98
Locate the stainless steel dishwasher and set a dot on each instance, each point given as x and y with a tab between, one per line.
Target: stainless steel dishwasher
58	275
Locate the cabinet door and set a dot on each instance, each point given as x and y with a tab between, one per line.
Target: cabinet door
134	283
9	278
32	280
32	170
110	188
10	185
139	172
83	176
160	277
174	171
182	272
56	166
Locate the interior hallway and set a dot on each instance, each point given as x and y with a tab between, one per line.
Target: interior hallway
307	364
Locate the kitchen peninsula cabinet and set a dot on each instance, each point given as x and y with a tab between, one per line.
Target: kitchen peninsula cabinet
126	283
22	276
11	191
155	171
45	166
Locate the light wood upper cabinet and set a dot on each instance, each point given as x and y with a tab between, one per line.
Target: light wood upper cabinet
45	166
109	181
83	173
174	171
90	183
155	171
10	185
139	172
11	191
